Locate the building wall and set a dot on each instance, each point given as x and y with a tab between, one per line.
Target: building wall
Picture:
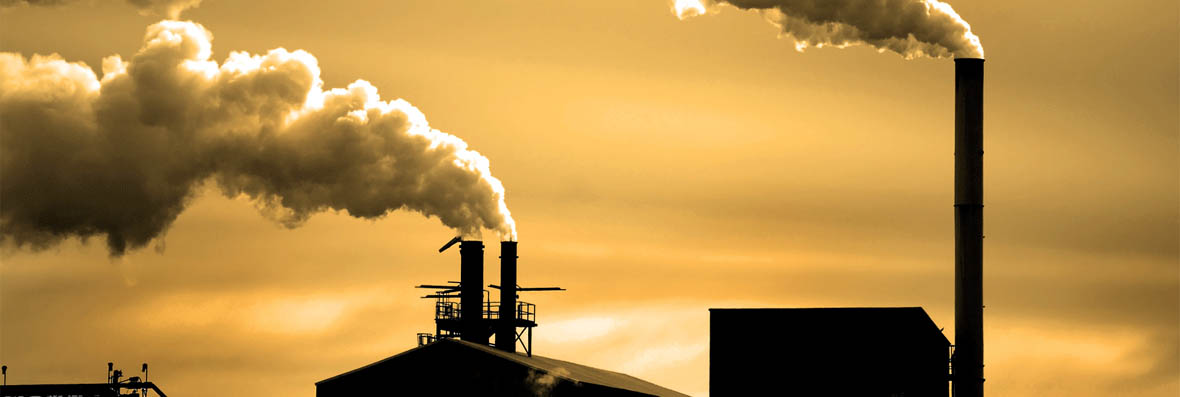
767	352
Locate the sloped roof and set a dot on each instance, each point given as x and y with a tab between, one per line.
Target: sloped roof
557	368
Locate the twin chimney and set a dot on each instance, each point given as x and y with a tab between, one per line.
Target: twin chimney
475	325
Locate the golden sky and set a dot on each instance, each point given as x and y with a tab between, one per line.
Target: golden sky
656	168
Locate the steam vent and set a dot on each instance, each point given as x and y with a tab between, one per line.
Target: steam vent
474	349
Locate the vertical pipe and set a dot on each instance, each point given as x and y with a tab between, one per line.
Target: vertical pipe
506	327
968	358
471	292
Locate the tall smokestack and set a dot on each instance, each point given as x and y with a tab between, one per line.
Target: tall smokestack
506	327
471	292
968	358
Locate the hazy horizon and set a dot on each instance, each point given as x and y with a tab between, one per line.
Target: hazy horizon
655	168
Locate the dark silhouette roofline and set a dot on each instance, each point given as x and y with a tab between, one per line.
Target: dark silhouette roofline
557	368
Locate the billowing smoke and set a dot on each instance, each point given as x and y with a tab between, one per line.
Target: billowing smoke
167	8
912	28
121	156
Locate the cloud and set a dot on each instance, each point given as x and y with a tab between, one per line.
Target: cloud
121	156
166	8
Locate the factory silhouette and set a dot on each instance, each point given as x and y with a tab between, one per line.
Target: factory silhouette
862	351
869	351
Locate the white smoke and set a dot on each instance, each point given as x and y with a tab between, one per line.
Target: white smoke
166	8
912	28
121	156
542	383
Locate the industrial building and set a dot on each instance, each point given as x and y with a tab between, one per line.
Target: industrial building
886	352
867	352
461	359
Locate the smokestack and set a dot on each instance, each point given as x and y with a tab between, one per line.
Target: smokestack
506	327
968	359
471	292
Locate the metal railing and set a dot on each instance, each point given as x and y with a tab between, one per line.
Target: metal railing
445	309
526	311
491	310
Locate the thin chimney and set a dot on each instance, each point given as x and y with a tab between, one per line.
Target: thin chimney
968	358
506	327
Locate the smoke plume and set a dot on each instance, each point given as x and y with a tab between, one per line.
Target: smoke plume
121	156
166	8
912	28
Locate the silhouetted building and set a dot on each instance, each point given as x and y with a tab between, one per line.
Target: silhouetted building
452	367
866	352
457	359
116	386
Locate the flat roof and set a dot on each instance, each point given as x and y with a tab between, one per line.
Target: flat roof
886	321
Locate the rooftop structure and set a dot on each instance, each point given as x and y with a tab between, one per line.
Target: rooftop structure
484	317
115	386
